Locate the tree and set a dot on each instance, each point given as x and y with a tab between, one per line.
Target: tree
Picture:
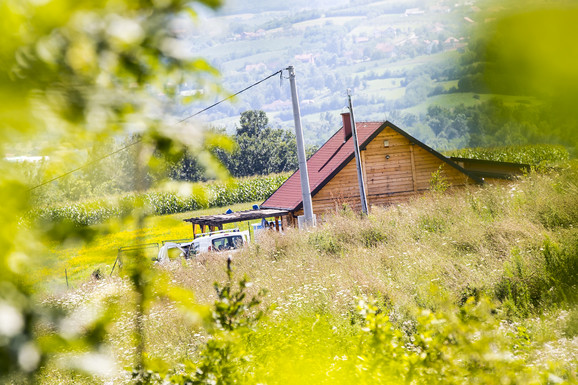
253	123
188	169
260	150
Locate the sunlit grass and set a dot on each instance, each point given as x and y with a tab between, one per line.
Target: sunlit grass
80	262
424	264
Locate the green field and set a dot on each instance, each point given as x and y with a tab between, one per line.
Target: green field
80	261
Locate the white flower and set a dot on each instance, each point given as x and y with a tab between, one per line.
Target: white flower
11	320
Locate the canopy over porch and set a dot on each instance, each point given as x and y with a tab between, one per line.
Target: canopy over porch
217	221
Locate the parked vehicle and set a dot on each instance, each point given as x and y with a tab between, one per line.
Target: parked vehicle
147	250
175	248
221	240
216	241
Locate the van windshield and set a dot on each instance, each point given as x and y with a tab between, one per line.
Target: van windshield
227	243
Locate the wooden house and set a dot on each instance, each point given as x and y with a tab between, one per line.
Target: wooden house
396	166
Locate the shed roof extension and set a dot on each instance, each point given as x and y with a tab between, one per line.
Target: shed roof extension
239	216
332	157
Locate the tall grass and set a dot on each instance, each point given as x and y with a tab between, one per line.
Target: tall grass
476	285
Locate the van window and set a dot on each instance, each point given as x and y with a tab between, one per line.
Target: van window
228	243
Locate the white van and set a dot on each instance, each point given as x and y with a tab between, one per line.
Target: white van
217	241
221	240
175	249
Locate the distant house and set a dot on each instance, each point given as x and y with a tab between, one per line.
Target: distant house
451	42
305	58
396	167
413	12
388	49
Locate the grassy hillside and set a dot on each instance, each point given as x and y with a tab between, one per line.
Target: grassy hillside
476	284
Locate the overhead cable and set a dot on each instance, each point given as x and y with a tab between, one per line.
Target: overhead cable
139	140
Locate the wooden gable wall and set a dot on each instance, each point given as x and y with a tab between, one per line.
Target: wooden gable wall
406	172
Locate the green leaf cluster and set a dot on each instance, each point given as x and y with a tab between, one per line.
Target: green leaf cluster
72	74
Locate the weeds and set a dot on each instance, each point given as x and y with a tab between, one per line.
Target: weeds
465	291
325	242
438	182
372	237
561	271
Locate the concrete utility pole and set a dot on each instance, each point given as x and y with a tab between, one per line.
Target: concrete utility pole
357	158
305	188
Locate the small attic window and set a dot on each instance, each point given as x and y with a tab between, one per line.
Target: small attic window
386	143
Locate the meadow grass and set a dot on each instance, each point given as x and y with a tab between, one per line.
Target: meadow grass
476	283
389	88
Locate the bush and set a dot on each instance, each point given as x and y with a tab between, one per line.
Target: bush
525	289
561	271
325	241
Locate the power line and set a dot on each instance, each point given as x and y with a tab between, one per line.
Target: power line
85	165
139	140
231	96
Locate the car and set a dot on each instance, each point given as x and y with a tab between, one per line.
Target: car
215	241
174	249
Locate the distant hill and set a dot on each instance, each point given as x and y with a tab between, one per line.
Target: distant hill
393	55
232	7
421	64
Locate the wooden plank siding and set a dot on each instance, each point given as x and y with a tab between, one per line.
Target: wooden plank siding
393	174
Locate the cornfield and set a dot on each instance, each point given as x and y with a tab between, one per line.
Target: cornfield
530	154
204	195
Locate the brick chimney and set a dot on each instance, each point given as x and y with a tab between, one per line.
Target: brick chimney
346	116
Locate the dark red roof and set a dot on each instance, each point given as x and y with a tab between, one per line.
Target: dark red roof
332	157
327	161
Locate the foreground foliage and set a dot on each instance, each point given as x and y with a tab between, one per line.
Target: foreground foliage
75	73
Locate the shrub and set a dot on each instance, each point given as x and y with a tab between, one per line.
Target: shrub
521	289
438	182
561	271
325	241
525	289
372	237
